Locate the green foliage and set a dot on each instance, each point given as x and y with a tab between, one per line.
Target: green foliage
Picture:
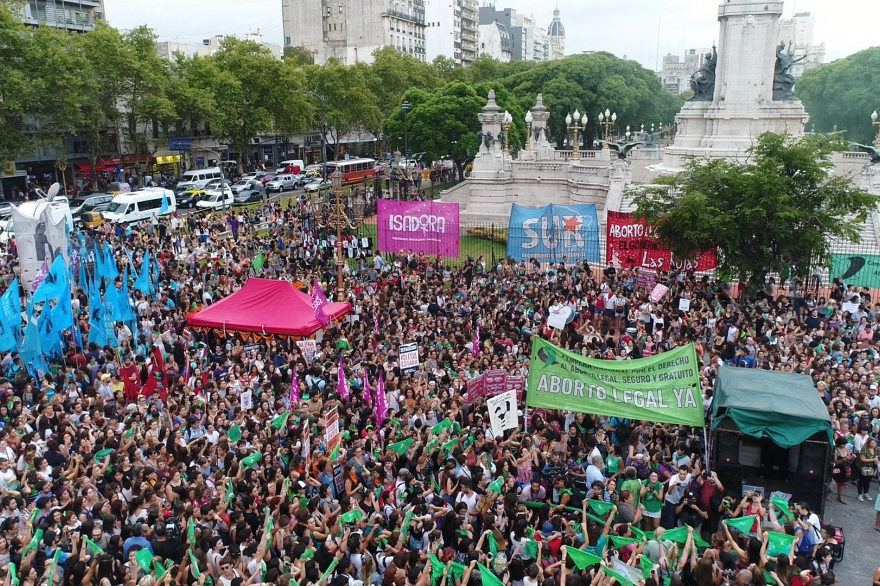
448	70
774	212
298	56
390	76
844	94
17	90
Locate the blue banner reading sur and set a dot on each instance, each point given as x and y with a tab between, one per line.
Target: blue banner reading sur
555	231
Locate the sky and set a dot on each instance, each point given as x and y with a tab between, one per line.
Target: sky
643	30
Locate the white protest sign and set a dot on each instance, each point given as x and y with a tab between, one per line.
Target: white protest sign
502	412
658	292
558	317
684	304
247	401
409	357
850	307
308	348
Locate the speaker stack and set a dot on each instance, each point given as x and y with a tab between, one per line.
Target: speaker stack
809	481
727	465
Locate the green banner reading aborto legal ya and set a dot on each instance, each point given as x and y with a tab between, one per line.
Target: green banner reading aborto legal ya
663	388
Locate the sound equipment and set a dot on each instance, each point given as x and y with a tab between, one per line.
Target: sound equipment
774	460
731	476
814	459
810	490
726	449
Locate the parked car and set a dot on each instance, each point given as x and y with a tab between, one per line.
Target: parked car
217	199
5	209
317	185
246	185
282	182
265	179
87	203
7	231
253	175
189	198
90	220
249	196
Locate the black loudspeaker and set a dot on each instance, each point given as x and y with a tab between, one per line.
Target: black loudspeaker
774	461
814	459
731	476
726	449
810	490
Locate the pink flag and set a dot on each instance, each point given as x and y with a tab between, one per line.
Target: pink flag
294	390
318	303
381	405
342	387
366	387
477	341
375	334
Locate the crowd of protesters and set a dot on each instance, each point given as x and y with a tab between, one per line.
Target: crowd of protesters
104	484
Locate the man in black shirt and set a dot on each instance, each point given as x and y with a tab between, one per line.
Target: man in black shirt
168	549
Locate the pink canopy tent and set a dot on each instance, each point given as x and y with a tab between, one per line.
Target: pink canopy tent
266	306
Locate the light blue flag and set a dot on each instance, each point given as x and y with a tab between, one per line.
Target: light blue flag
12	304
125	300
50	339
31	353
7	336
156	271
112	304
112	272
164	209
62	315
143	283
97	318
54	283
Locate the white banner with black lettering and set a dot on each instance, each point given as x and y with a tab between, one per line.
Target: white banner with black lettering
502	412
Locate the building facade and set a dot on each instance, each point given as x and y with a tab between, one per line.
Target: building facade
212	45
506	18
170	50
535	38
451	30
556	38
495	41
798	31
676	72
351	30
72	15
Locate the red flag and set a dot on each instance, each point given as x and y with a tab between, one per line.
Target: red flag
157	377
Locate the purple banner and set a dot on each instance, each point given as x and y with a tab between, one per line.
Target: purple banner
418	226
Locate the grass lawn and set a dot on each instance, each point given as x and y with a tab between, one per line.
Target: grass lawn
469	246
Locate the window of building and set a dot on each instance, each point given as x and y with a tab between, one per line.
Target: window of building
340	10
287	41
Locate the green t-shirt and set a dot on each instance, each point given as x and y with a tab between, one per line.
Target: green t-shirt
612	466
635	487
651	500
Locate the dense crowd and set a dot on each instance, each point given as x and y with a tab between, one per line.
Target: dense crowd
106	484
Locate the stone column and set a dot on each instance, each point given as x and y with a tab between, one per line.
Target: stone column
490	158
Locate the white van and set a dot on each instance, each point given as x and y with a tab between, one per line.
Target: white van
139	205
217	199
283	166
198	178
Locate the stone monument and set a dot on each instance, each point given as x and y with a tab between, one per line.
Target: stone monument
743	89
489	161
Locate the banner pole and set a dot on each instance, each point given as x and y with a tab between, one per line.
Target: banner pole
706	444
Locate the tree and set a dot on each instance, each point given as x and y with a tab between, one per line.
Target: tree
443	123
484	68
17	90
298	56
448	69
192	89
843	94
775	212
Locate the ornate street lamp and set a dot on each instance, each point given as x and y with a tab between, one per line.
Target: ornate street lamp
529	130
574	128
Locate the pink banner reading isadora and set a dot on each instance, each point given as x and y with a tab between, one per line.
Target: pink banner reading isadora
418	226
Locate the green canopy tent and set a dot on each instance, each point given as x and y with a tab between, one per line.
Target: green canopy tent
782	406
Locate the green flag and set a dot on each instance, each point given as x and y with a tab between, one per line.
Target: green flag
621	579
677	535
96	549
531	549
191	533
457	570
401	447
103	454
497	486
445	424
641	534
280	421
334	455
768	577
259	261
450	444
647	566
50	579
230	491
251	460
407	522
487	578
144	559
783	507
13	574
601	507
552	384
194	564
779	543
493	544
234	434
330	569
582	559
38	536
161	570
352	516
622	541
432	444
437	568
741	524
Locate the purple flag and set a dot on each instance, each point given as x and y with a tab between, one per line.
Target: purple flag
294	390
476	348
376	326
41	275
318	303
366	387
381	405
342	387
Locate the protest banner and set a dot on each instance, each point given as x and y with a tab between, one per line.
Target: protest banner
664	388
517	384
421	226
476	388
547	234
495	382
409	357
308	348
502	412
629	243
646	279
658	292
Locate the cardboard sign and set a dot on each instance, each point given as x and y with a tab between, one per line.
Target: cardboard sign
517	384
684	304
850	307
495	382
658	292
247	401
308	348
557	319
409	357
646	279
502	413
476	389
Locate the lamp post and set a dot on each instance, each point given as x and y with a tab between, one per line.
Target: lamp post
338	220
529	130
395	177
406	106
876	122
607	120
505	126
574	128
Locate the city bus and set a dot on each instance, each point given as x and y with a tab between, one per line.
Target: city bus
353	171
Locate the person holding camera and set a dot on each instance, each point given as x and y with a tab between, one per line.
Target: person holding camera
652	497
690	512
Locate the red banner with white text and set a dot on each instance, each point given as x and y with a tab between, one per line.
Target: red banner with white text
631	244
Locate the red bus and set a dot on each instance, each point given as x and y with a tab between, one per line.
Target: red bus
353	170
